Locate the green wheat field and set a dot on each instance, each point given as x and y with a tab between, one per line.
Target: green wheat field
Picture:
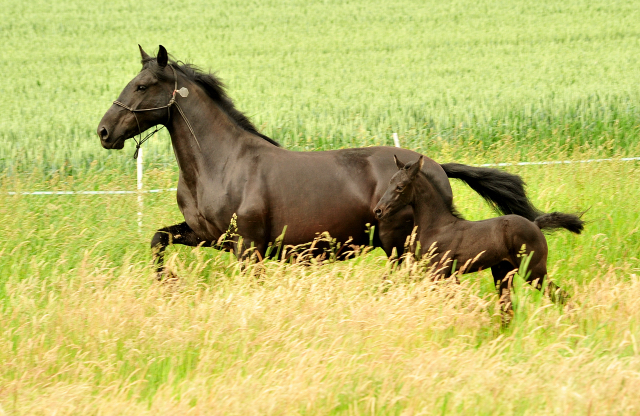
86	330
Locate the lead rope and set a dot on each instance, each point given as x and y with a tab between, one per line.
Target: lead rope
182	93
188	125
147	137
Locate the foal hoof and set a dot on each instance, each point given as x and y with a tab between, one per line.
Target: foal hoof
166	276
570	306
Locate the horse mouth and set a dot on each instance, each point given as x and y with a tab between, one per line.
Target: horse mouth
112	144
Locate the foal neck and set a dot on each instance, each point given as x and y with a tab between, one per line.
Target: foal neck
429	207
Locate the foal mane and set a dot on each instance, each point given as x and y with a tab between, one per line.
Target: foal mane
441	192
214	88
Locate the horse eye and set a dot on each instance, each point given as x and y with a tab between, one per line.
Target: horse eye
141	88
399	188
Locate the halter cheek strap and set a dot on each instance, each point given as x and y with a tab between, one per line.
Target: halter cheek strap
183	92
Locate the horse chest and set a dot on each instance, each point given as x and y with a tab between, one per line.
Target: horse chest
197	214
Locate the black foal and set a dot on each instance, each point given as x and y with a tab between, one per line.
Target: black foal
468	246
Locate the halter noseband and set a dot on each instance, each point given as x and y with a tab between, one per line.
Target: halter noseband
183	93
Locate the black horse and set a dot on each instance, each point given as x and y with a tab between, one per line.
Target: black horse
227	167
455	244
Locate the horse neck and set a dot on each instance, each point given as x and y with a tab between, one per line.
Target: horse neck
217	137
429	207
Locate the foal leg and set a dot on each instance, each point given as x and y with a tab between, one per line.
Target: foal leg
502	278
557	294
536	279
174	234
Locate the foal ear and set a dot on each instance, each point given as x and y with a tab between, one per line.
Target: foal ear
143	54
399	164
163	57
416	167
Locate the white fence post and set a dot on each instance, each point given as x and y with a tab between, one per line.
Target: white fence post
395	140
140	202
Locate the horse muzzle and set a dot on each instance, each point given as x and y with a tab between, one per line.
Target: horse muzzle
107	141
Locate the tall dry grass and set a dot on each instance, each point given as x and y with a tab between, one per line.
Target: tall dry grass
347	338
85	330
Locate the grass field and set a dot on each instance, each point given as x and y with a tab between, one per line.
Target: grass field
86	330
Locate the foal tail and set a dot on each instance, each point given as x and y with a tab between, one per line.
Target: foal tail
505	193
502	190
554	220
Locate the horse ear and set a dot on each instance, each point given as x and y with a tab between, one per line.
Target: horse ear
143	54
421	161
163	57
399	164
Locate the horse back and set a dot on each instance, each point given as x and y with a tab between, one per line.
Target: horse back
483	244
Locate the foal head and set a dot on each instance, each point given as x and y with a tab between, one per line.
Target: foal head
400	191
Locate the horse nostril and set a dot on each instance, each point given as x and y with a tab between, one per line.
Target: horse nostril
103	133
378	212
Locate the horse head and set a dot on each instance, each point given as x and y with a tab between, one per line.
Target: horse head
145	101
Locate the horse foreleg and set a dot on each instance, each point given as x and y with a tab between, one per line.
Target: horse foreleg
174	234
393	232
248	250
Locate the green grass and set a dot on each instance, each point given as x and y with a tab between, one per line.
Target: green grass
323	75
53	234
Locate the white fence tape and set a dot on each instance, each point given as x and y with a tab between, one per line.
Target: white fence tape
560	162
395	140
148	191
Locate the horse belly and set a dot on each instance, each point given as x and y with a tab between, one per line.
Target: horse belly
301	229
474	246
344	217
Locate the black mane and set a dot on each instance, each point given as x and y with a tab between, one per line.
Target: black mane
214	88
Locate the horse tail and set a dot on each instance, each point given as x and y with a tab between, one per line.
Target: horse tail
554	220
502	190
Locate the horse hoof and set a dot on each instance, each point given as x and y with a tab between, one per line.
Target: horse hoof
506	313
166	276
507	317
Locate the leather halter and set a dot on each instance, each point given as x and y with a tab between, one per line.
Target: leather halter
168	107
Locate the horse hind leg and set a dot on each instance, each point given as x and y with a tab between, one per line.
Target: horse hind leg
173	234
503	277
